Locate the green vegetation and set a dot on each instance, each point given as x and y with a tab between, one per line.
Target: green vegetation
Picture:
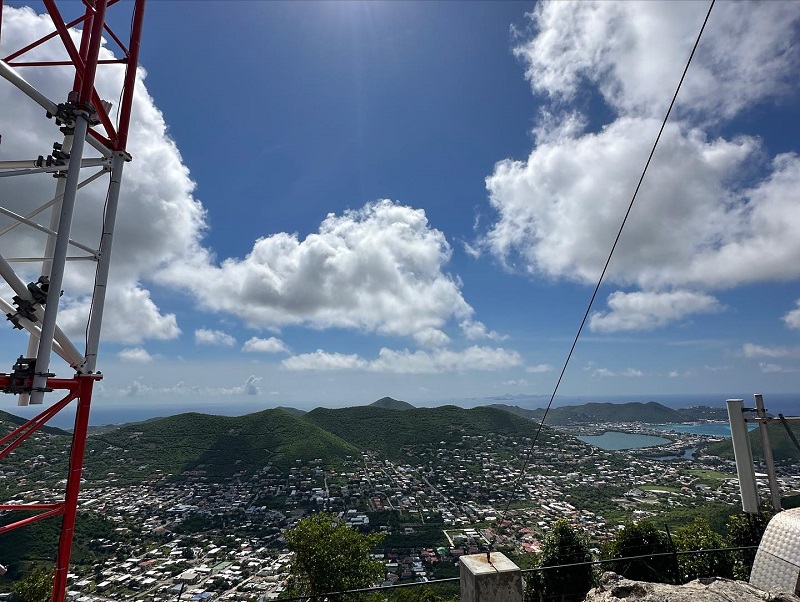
639	539
387	431
700	536
37	542
36	587
218	445
590	413
392	404
330	556
564	544
783	448
746	530
713	476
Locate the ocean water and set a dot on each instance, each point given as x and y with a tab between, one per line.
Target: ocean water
615	440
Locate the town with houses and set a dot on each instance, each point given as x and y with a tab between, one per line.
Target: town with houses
190	537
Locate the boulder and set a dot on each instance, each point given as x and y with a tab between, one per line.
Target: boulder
714	589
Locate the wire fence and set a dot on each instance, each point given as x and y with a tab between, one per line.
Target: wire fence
447	589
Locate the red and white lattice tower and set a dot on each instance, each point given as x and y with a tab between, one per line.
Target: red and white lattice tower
78	118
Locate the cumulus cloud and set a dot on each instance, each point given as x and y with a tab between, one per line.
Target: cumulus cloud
204	336
792	318
633	372
475	330
270	345
694	223
137	355
631	52
646	311
713	213
410	362
377	269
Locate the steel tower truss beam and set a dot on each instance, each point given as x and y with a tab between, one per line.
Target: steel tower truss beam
82	118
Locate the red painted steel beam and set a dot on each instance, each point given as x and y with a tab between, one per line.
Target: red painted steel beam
41	41
85	386
95	40
61	63
49	36
130	76
31	519
86	32
22	432
63	33
69	384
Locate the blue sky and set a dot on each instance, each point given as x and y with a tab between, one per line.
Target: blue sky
332	202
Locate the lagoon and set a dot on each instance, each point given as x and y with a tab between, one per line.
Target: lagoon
615	440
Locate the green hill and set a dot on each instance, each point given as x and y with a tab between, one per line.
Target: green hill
387	431
8	422
782	446
219	445
592	413
392	404
292	411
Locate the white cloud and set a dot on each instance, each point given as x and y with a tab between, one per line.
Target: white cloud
130	317
408	362
475	330
632	52
674	374
137	355
602	372
792	318
694	223
139	388
713	212
431	337
270	345
377	269
646	311
204	336
539	368
775	368
753	350
323	361
633	372
250	387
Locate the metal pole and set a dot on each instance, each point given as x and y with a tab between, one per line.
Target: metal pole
16	79
763	426
47	265
104	261
743	455
85	385
59	257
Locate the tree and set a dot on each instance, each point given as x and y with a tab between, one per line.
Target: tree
700	536
36	587
638	539
564	544
746	530
329	556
